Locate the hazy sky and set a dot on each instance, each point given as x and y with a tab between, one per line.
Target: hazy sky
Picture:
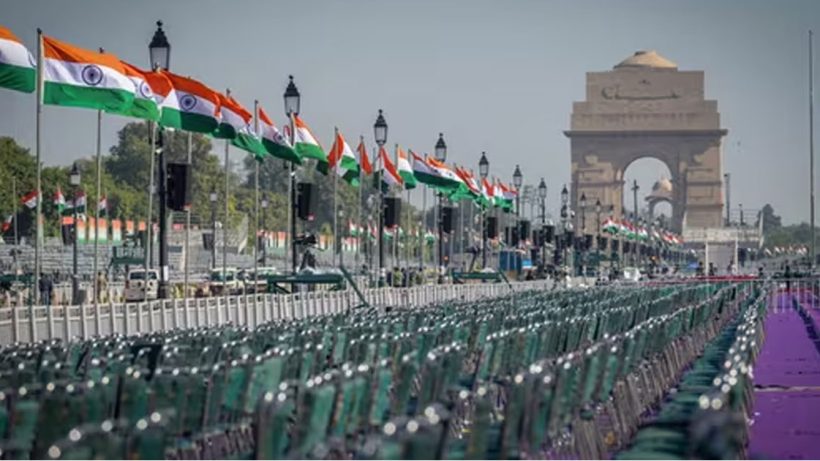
495	76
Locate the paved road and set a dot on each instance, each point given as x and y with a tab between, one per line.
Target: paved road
787	383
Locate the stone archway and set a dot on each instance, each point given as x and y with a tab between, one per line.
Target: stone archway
645	107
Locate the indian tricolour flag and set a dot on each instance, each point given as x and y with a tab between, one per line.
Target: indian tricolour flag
487	191
364	160
235	124
81	78
308	146
273	140
190	105
405	170
610	226
150	89
59	200
343	161
434	174
18	69
30	199
390	176
468	188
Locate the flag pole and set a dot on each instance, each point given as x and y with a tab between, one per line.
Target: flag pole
407	233
225	222
335	204
95	279
256	210
147	246
36	288
14	207
424	228
359	208
187	234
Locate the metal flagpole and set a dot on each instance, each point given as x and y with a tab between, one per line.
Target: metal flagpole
335	205
423	232
225	227
407	233
225	221
256	210
95	276
811	150
147	245
359	208
36	288
187	233
14	207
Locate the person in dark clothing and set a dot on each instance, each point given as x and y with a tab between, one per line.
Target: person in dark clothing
787	274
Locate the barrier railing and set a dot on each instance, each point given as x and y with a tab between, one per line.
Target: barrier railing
18	324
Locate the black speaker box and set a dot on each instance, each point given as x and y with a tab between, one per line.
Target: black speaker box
392	211
549	234
208	240
306	201
492	227
179	186
524	228
448	215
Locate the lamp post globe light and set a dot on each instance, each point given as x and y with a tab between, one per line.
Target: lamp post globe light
159	54
292	100
380	135
483	171
441	148
213	197
74	180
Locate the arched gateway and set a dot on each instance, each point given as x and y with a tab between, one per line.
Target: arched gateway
646	107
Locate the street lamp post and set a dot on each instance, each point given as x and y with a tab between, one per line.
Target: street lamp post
598	209
380	134
582	203
159	50
292	104
483	171
213	198
264	205
564	216
440	153
74	180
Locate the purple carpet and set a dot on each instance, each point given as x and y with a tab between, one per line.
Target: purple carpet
787	373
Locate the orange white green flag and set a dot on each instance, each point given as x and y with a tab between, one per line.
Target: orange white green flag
150	89
390	176
275	143
18	69
73	76
235	124
190	105
364	161
405	170
307	146
342	160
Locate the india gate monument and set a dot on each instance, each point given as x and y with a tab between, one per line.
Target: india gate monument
646	107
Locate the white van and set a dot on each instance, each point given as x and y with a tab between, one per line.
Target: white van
219	284
137	288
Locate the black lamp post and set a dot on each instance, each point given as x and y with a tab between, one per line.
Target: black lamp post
440	153
564	216
483	171
380	134
213	198
518	179
159	50
292	103
598	209
264	205
583	204
74	180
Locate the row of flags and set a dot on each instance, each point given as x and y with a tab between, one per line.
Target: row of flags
76	77
66	207
630	231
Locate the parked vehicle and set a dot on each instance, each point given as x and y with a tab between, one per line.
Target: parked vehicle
218	282
139	287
